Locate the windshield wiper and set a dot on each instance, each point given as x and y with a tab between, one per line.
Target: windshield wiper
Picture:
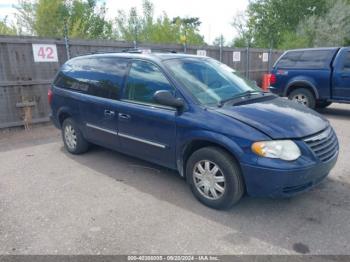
245	93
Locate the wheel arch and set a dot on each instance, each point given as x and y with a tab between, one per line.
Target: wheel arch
193	145
62	115
293	85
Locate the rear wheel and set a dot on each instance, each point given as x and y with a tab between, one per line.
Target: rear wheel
73	139
303	96
214	177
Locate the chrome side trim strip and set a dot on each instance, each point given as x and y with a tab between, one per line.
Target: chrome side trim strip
126	136
142	140
102	129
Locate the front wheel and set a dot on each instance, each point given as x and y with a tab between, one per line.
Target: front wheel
303	96
215	178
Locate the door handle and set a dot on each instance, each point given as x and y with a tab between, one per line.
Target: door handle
109	113
124	116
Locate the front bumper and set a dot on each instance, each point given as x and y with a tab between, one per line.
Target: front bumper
272	182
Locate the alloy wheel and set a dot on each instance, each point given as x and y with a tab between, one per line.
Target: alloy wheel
70	137
209	179
301	99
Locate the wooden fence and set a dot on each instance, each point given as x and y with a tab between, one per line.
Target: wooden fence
24	82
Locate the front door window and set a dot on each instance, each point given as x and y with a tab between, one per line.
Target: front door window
143	81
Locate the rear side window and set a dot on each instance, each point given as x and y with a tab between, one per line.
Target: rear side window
315	59
101	76
309	59
143	81
63	80
346	66
289	60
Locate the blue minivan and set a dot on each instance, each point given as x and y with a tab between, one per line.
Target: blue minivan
196	115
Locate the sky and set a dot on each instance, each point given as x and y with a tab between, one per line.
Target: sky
6	8
215	15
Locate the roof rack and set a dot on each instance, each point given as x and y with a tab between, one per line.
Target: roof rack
133	50
165	50
104	52
147	50
101	52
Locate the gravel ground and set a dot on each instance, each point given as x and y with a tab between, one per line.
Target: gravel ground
104	202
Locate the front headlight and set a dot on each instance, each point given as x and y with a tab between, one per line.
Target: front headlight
282	149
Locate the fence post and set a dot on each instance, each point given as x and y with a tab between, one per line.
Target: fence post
66	42
270	57
221	45
247	63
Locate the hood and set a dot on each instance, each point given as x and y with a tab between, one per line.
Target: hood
279	118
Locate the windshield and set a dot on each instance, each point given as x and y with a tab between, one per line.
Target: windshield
209	81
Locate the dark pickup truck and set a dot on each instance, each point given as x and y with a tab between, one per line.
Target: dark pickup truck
315	77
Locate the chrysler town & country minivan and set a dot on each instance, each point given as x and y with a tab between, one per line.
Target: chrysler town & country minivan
198	116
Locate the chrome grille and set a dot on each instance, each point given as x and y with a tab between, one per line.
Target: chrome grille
324	144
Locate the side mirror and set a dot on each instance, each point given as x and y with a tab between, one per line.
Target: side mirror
166	98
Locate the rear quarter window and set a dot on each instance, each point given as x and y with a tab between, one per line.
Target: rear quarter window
308	59
289	59
69	82
100	76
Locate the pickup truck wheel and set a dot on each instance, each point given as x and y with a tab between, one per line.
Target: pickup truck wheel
303	96
323	104
73	139
214	177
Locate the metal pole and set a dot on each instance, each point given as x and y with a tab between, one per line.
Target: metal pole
66	40
221	45
185	44
247	63
270	56
135	35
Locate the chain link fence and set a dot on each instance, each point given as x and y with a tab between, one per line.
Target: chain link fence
24	80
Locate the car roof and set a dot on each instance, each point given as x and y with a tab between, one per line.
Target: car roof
157	57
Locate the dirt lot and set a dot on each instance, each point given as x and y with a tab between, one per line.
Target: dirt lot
104	202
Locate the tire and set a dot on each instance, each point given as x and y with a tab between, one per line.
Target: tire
228	173
303	96
323	104
72	137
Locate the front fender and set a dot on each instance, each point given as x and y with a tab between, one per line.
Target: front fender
207	136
